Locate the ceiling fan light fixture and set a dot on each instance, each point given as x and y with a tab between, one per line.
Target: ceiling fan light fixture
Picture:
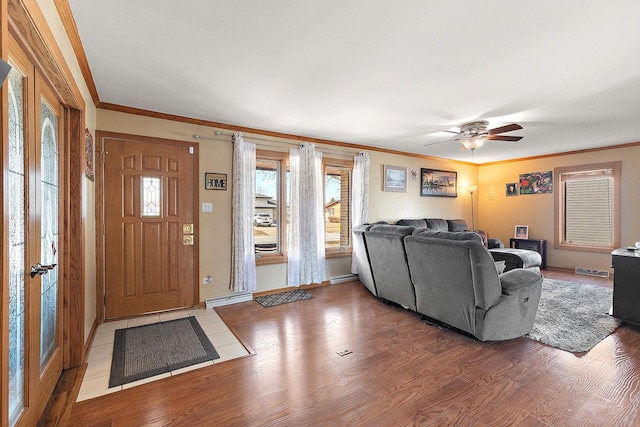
473	142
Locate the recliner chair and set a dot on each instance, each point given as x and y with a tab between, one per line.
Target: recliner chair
456	282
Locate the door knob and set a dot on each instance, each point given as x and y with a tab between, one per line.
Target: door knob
41	269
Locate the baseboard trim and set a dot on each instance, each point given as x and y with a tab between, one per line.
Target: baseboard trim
89	343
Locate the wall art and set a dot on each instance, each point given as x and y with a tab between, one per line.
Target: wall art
395	178
536	182
437	183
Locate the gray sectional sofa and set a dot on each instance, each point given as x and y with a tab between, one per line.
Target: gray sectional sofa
449	277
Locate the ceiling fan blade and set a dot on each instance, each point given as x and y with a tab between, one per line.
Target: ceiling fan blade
505	138
506	128
441	142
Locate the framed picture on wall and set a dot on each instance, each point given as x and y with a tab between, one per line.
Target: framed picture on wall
437	183
511	189
536	182
394	178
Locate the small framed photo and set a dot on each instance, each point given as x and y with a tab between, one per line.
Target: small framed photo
511	189
215	181
395	178
522	232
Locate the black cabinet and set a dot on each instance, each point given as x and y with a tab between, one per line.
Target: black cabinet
626	285
538	245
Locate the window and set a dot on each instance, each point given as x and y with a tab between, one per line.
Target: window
337	196
272	186
270	211
588	207
150	193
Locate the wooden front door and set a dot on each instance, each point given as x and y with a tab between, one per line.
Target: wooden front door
35	200
149	225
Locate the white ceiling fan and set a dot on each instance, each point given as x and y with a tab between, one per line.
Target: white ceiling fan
472	135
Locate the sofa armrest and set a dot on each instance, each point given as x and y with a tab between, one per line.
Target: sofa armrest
514	281
517	258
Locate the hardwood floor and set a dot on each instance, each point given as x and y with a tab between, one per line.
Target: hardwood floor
401	372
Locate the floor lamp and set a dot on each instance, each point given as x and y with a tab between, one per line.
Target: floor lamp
471	189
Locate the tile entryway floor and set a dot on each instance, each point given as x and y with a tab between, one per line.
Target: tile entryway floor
96	378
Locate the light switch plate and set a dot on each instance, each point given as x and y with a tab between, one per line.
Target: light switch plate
207	207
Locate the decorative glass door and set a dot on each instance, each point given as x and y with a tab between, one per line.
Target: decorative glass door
17	245
35	321
48	267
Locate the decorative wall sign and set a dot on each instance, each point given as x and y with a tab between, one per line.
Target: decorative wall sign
395	178
511	189
88	155
215	181
437	183
536	182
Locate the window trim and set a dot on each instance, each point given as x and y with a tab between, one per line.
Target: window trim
346	164
559	243
282	157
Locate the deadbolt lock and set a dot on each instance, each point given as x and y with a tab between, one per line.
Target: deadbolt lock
187	229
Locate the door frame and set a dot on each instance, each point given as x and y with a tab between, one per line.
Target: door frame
24	20
100	213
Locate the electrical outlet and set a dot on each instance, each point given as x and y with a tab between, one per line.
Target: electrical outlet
207	280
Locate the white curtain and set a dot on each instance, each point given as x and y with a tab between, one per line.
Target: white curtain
243	259
359	197
306	222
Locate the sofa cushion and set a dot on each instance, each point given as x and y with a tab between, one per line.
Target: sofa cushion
418	223
457	225
437	224
462	235
394	230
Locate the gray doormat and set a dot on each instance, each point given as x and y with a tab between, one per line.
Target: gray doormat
144	351
283	297
573	316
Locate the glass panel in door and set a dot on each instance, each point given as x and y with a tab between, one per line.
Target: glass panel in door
48	233
16	253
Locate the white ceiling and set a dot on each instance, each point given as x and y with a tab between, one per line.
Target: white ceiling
392	74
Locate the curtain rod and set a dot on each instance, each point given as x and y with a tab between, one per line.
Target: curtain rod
257	139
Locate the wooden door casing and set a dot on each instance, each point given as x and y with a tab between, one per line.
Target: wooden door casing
147	266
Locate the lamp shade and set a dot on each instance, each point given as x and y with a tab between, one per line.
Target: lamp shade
4	70
472	188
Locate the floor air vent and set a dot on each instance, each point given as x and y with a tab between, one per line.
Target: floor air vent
590	272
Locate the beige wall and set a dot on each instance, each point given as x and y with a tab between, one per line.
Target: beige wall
391	206
215	228
500	214
215	156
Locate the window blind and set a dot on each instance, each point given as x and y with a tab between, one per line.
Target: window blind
588	208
